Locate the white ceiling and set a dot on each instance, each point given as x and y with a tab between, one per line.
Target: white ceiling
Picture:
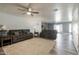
45	9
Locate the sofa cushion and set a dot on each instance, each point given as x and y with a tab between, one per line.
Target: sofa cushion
17	33
50	34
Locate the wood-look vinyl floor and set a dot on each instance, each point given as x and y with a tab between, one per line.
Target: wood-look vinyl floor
64	46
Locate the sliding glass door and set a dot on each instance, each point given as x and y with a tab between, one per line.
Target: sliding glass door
58	27
63	28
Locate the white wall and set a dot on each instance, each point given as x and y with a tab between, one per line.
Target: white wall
16	22
75	27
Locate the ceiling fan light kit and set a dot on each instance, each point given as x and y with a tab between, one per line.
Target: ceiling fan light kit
28	13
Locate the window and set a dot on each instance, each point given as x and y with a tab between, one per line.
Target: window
58	27
70	28
58	16
75	28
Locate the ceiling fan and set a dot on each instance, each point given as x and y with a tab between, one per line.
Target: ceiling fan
27	10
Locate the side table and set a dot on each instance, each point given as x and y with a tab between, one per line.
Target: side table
36	34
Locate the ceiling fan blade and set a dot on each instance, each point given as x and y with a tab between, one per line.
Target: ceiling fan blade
19	5
36	12
23	13
21	9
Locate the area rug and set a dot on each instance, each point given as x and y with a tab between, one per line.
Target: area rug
34	46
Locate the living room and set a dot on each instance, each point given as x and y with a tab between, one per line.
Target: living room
39	28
